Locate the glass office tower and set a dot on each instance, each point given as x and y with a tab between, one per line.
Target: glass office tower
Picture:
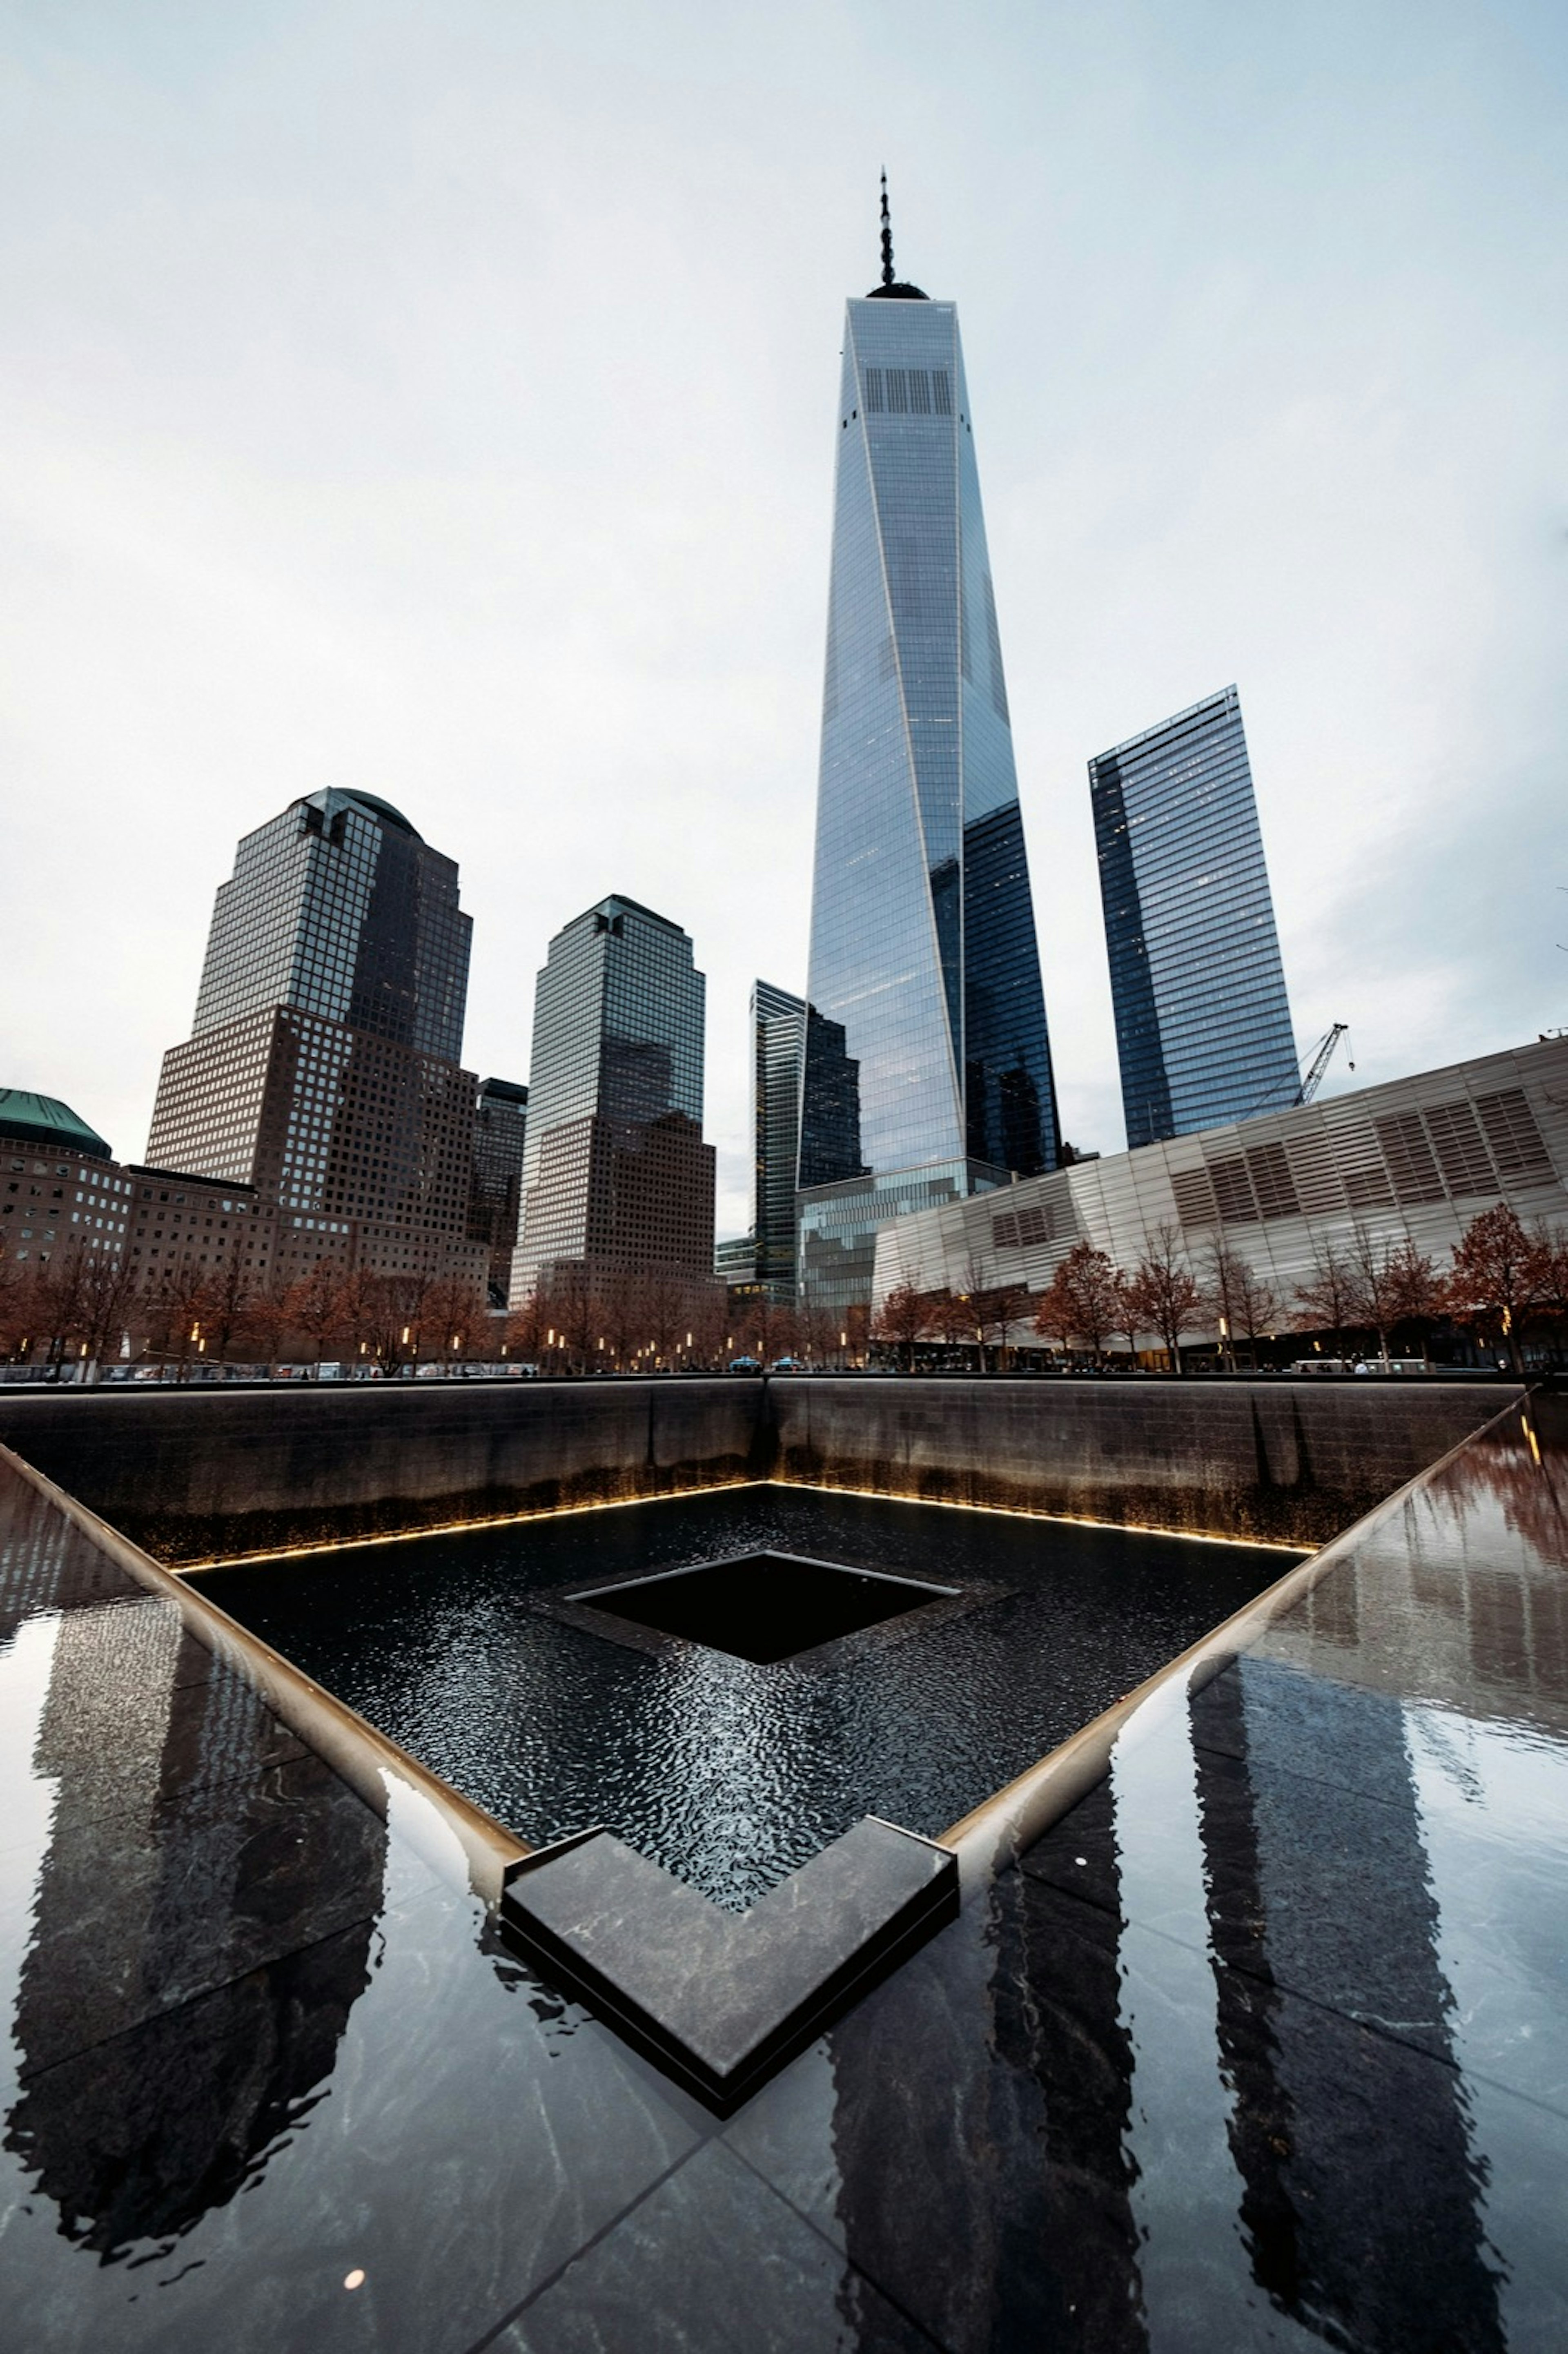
323	1066
777	1045
927	1066
615	1177
500	1133
1203	1022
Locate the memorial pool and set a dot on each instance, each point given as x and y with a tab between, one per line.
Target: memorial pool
486	1654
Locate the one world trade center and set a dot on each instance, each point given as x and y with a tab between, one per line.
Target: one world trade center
926	1066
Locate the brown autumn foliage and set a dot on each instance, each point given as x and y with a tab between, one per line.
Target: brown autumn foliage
901	1319
1166	1296
1082	1302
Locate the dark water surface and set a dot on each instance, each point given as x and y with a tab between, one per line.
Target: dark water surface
728	1773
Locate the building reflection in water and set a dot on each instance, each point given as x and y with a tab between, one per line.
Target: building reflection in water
1360	2180
1276	2049
136	1803
1265	2044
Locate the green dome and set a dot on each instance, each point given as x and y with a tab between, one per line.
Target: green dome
43	1120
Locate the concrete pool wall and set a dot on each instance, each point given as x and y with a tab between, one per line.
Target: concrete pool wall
198	1475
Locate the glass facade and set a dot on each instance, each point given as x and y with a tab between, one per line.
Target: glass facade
323	1065
500	1133
615	1174
1202	1021
930	1048
339	908
777	1045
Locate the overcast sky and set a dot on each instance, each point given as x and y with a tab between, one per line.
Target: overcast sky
442	399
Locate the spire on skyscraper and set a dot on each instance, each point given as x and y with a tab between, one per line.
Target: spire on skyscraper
894	288
926	1066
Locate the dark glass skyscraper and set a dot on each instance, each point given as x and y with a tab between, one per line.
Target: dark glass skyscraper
927	1066
500	1133
1203	1022
322	1065
615	1177
777	1045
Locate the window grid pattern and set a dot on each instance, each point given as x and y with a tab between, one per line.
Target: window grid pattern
615	1173
323	1065
924	970
778	1046
1202	1021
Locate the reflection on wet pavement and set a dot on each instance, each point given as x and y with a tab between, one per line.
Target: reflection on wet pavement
1265	2043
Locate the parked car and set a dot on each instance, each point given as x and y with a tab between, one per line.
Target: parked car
744	1366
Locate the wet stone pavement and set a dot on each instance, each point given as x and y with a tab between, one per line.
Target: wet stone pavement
1265	2044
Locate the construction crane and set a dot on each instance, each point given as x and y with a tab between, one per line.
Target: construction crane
1323	1054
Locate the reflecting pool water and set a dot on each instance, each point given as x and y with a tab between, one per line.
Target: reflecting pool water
731	1773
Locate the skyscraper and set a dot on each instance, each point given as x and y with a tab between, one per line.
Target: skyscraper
778	1045
927	1063
322	1065
615	1177
500	1133
1203	1022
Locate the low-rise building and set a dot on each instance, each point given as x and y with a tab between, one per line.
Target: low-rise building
1415	1160
59	1182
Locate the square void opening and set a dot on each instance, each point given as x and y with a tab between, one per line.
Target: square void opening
764	1606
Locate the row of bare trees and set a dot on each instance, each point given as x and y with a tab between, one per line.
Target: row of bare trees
90	1305
580	1321
87	1304
1503	1278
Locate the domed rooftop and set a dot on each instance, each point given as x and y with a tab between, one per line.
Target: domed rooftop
378	808
44	1120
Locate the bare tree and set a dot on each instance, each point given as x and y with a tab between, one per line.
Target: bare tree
949	1318
1256	1307
973	1296
1005	1305
177	1308
1242	1303
1128	1316
380	1312
523	1338
1325	1301
315	1306
1389	1282
770	1329
229	1305
1419	1290
407	1295
105	1304
358	1308
1082	1302
17	1316
617	1314
266	1319
901	1319
1495	1276
58	1298
819	1332
1548	1272
453	1315
571	1312
710	1328
1168	1297
667	1312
